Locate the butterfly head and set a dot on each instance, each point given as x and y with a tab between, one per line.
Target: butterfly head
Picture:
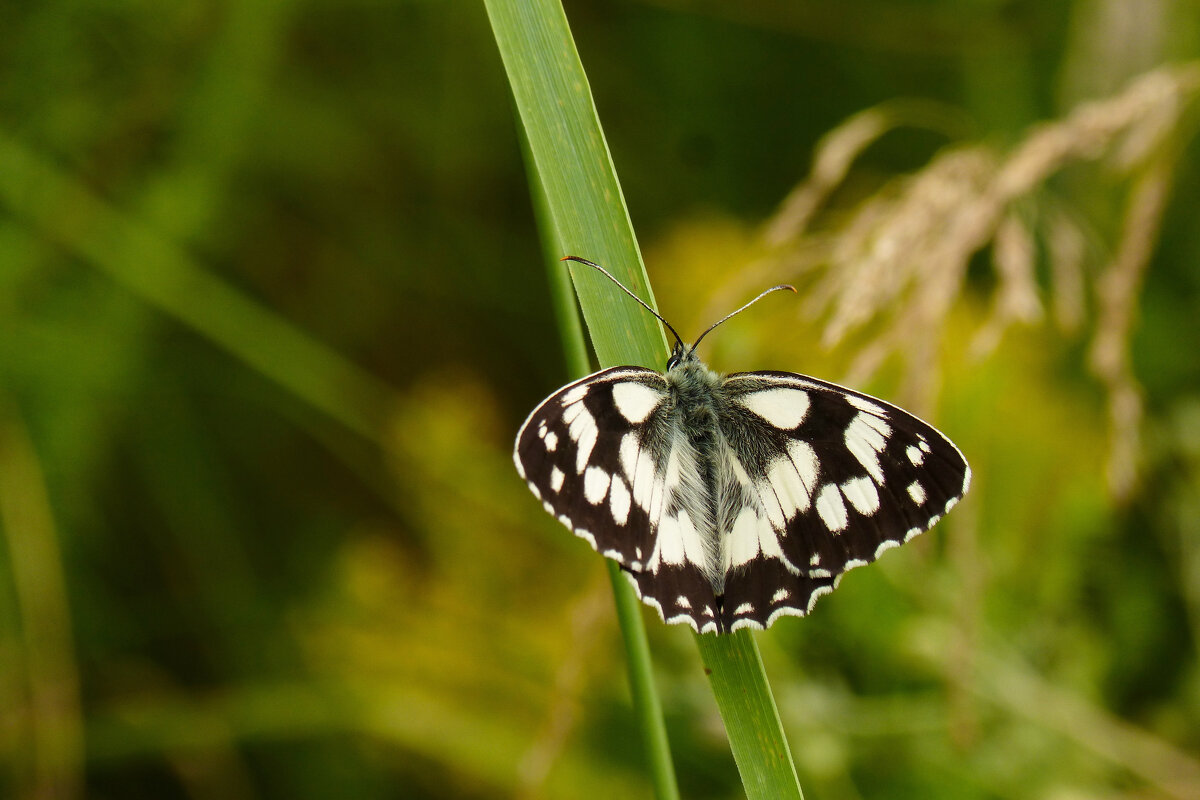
681	354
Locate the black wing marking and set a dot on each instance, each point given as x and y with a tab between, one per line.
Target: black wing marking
568	452
602	456
837	476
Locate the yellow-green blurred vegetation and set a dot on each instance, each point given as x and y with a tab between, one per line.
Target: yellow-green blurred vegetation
272	306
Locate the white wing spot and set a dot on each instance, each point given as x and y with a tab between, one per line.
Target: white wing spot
619	502
783	408
628	454
924	444
575	395
678	543
541	430
815	561
862	494
790	492
683	602
615	555
742	544
668	546
779	596
951	503
885	545
570	412
595	485
550	510
551	441
638	470
635	401
768	543
744	608
911	533
581	427
772	506
863	404
865	442
915	455
693	546
877	424
831	508
533	488
556	479
585	443
807	466
917	492
708	612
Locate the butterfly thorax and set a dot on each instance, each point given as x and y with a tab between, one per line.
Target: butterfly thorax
694	416
692	386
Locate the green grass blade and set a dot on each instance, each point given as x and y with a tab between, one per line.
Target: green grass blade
646	703
576	173
751	718
161	272
582	199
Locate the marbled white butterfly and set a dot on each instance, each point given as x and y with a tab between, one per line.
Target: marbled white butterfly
730	501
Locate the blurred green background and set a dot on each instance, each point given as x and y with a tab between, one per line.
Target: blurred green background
272	306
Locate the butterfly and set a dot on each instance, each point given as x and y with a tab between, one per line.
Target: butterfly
730	501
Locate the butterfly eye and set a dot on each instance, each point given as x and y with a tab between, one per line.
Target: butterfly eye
677	356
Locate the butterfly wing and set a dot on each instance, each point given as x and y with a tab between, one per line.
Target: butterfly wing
819	479
604	457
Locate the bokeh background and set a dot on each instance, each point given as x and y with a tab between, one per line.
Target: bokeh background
272	306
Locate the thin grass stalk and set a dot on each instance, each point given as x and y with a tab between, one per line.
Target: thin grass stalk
583	203
646	704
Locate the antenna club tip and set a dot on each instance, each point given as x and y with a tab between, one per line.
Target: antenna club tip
790	288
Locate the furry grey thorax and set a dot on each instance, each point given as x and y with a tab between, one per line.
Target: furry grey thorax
694	412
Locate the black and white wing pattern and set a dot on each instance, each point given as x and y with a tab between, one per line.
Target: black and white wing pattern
823	479
730	502
604	456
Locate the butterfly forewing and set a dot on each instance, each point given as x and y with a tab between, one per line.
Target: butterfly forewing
569	452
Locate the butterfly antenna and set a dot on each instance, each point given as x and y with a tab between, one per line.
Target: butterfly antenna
727	317
608	275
